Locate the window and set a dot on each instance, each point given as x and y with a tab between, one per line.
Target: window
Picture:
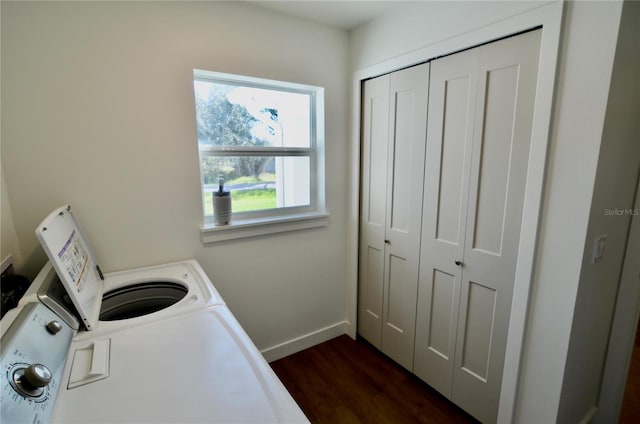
264	140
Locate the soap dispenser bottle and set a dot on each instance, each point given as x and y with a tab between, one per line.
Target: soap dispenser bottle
221	204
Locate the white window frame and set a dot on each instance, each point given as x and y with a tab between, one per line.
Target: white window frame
277	220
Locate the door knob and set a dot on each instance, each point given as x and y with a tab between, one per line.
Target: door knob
387	242
458	263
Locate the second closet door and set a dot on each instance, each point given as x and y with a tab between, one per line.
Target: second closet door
451	101
480	114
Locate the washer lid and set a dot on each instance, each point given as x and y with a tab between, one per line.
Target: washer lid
73	261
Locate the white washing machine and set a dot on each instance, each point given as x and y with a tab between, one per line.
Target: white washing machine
130	297
153	344
105	302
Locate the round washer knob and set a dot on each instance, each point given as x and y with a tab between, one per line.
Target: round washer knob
54	327
37	375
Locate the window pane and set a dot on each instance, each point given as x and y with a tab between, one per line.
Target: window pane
257	182
229	115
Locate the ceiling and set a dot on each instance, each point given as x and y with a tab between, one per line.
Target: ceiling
340	14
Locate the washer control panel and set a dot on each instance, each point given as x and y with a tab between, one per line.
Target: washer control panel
34	351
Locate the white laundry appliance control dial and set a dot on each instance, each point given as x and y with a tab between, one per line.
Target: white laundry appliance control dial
30	380
28	387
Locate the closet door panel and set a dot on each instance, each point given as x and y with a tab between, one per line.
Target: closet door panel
451	94
400	195
407	137
398	297
455	142
480	307
371	295
495	159
375	132
441	317
502	134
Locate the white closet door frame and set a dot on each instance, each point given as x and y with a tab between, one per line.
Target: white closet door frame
549	17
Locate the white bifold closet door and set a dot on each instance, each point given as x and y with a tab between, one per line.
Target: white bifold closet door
394	115
478	138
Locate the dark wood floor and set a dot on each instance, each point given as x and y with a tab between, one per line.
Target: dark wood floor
630	412
349	381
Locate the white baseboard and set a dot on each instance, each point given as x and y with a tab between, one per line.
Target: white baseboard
304	342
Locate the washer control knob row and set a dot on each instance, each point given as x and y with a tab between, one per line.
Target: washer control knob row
54	327
30	381
36	375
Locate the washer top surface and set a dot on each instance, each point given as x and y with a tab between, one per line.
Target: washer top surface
194	367
201	292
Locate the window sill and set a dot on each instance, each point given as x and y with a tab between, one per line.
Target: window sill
211	233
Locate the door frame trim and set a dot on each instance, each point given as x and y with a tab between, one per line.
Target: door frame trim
549	17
